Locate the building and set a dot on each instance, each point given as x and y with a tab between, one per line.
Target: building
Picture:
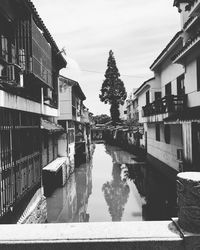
131	107
74	117
29	67
133	136
172	117
188	57
148	92
122	112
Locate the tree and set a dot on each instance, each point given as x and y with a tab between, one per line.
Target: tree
113	90
101	119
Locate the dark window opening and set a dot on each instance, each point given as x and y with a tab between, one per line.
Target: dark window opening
63	124
147	98
157	132
167	133
180	85
168	89
198	74
157	95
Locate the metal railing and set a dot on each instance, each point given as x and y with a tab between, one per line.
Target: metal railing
22	175
167	104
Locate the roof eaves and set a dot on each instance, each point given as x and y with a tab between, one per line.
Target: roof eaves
76	85
39	21
143	85
161	56
189	44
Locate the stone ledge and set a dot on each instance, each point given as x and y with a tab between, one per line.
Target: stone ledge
103	235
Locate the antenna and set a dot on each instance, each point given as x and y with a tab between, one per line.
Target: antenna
63	50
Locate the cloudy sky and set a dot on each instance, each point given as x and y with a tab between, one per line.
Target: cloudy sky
136	31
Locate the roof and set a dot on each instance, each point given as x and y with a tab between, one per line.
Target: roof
190	114
158	60
189	44
55	165
51	127
190	4
177	2
75	85
143	85
42	26
189	21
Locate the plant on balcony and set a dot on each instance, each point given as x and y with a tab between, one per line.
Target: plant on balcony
113	91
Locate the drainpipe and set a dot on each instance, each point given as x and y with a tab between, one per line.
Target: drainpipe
42	101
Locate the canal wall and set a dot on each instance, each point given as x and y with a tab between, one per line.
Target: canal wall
149	235
120	137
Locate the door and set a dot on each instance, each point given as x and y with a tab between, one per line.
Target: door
168	89
196	146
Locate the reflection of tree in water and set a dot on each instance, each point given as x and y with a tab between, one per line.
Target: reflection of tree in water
116	193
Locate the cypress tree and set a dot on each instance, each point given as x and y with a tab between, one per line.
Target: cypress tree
113	91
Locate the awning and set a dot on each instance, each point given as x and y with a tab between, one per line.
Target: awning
188	115
51	127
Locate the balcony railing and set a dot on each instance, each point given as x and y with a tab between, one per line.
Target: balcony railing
167	104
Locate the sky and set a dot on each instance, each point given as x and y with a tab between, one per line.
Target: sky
136	31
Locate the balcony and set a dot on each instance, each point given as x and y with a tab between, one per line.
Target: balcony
165	106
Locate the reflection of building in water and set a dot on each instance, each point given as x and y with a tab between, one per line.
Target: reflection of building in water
159	193
62	205
83	190
116	193
119	155
137	173
69	203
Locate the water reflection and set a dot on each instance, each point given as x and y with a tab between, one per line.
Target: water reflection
69	204
113	186
116	193
159	192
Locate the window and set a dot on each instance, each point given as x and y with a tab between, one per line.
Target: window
168	89
198	74
157	95
147	97
46	141
4	47
167	133
180	85
157	132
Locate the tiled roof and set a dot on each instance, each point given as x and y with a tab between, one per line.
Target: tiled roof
190	4
51	127
41	25
144	83
177	35
192	41
188	22
76	85
177	2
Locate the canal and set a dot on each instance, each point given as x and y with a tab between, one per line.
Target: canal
113	186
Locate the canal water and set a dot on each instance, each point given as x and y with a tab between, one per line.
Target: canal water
113	186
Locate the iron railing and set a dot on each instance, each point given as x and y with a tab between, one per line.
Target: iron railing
167	104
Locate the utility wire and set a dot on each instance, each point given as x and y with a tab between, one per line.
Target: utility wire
98	72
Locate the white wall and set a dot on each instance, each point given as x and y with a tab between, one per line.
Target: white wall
169	73
65	103
152	86
191	84
164	152
11	101
122	108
